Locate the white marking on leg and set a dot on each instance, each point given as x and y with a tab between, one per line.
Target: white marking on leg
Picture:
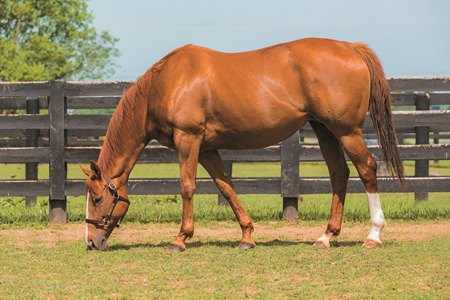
376	216
325	239
86	233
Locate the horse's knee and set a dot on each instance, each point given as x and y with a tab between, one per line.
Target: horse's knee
188	190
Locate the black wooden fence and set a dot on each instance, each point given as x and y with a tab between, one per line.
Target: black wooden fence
51	132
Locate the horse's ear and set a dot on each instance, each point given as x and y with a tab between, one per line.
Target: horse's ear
85	170
97	173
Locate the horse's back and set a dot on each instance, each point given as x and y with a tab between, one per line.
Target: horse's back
257	98
306	74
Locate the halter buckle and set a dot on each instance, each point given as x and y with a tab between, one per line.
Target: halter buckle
105	222
112	186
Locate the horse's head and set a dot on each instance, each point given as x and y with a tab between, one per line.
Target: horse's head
105	207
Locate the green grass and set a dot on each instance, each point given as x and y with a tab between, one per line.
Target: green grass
147	209
167	208
212	269
42	266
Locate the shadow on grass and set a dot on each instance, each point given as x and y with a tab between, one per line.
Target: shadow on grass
231	244
335	244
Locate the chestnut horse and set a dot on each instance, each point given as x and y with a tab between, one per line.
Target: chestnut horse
197	100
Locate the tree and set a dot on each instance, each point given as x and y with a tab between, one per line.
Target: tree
52	39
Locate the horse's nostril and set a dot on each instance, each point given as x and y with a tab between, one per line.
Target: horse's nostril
100	243
90	245
103	244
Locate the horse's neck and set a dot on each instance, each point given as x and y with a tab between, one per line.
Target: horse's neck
119	164
125	138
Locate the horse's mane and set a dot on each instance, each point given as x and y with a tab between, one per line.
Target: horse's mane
122	122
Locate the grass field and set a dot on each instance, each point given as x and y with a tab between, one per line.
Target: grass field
52	263
39	261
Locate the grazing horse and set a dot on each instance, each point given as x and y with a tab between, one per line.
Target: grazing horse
197	100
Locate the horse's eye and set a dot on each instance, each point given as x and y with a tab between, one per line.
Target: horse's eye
97	200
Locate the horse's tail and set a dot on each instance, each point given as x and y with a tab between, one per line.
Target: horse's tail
380	111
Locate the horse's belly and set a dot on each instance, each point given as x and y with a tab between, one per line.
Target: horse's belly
252	136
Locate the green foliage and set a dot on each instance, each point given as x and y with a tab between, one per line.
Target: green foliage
52	39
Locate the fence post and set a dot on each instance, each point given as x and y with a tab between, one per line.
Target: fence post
290	184
422	137
32	137
228	164
436	142
57	111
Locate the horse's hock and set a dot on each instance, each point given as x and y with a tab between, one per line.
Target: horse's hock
62	136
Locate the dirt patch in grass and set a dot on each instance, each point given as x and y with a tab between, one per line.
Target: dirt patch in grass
163	233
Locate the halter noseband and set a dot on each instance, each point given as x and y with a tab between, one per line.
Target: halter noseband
106	221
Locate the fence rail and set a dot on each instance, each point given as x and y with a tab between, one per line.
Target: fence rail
160	154
48	130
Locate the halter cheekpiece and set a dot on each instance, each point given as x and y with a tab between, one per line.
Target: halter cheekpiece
106	221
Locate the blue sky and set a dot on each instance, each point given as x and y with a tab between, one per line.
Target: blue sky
412	38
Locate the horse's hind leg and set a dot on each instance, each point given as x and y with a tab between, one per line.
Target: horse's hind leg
357	151
188	148
213	163
337	166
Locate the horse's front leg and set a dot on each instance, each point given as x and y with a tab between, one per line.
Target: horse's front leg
188	146
213	163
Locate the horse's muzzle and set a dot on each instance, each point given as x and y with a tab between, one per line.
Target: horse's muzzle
98	243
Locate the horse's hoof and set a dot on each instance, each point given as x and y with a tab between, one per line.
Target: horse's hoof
245	246
175	248
371	244
321	244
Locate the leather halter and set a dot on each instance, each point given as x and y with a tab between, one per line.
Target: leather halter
106	221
